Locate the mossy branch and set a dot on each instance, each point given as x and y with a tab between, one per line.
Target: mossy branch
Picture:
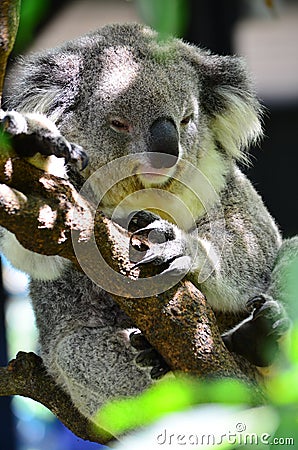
9	22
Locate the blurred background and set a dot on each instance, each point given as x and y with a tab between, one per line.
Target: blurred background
264	32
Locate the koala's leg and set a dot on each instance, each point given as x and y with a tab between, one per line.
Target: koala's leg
95	365
257	337
148	356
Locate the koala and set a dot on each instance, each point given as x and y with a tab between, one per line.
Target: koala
183	118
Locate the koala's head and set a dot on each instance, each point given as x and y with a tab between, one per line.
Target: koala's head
123	91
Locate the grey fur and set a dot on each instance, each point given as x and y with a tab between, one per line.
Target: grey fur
126	72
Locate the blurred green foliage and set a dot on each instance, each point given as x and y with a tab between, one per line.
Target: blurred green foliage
5	147
168	396
183	393
168	17
32	13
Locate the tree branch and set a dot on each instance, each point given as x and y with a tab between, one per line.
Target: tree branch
27	376
178	323
9	22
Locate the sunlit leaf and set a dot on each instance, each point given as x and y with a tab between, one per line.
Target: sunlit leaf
207	426
169	396
163	398
229	391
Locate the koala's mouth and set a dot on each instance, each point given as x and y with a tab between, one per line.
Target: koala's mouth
156	169
150	176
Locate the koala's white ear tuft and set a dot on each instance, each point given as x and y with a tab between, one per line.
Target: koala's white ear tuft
228	98
238	125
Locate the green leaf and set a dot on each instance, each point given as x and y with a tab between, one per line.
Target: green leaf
168	396
163	398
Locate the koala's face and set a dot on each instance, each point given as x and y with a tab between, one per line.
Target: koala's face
161	101
122	92
141	105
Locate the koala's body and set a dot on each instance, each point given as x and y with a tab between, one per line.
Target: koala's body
118	92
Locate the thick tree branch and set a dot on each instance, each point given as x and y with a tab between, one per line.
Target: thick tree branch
27	376
178	323
9	22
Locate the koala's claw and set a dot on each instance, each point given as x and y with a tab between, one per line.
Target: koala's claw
158	372
255	303
256	338
78	156
30	135
270	314
148	356
151	358
159	243
138	220
138	341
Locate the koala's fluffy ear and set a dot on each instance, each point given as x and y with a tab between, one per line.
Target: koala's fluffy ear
228	98
47	83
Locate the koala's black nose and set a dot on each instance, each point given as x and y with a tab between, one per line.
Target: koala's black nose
164	143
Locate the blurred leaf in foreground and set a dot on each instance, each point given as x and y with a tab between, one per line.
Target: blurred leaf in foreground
168	396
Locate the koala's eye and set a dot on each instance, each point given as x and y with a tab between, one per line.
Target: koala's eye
186	119
120	125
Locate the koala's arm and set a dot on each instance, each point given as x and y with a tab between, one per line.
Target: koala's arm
245	249
232	264
38	139
231	254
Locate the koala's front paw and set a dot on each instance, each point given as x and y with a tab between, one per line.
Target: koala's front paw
148	356
35	133
256	337
160	243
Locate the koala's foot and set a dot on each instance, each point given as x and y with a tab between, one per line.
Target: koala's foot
156	241
256	337
34	133
148	356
